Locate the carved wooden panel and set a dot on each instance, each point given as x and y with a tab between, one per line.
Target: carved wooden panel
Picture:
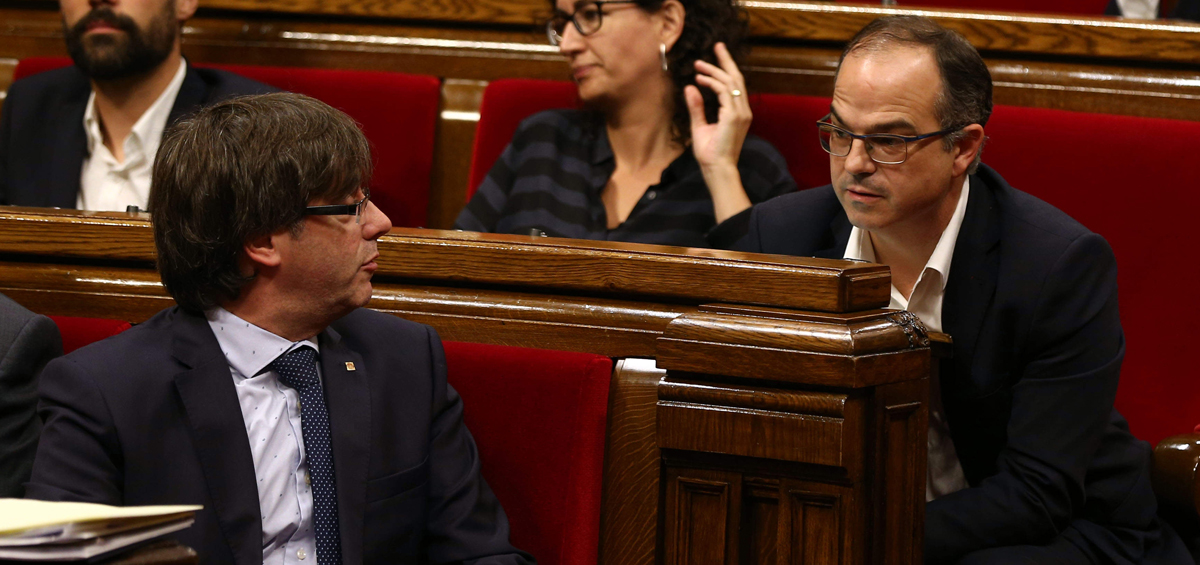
703	513
811	527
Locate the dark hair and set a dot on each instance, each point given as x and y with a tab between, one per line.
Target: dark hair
705	23
242	169
966	96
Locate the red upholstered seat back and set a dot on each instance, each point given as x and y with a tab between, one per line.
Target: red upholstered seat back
1130	180
539	419
397	112
78	332
789	123
505	103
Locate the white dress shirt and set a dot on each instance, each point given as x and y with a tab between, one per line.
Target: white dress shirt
1139	9
271	411
944	473
108	184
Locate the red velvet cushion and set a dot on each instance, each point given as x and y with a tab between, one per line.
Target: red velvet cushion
397	112
505	103
1130	180
790	124
78	332
1077	7
539	418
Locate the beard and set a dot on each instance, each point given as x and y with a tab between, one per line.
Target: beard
132	52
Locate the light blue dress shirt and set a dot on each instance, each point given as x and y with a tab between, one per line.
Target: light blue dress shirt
271	411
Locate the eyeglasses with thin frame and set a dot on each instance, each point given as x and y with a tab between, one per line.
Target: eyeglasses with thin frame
355	209
587	19
883	148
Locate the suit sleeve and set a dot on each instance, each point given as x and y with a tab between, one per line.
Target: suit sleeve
78	457
466	523
5	133
21	361
1062	397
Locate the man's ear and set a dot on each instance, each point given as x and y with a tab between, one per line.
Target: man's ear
672	15
185	9
263	251
969	145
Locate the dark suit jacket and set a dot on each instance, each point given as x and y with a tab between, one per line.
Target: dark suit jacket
1031	302
151	416
42	141
27	342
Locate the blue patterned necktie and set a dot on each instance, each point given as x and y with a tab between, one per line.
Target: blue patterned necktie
298	369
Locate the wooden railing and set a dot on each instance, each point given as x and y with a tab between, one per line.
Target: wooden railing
763	408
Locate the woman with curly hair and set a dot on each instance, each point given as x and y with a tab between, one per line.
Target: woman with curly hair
659	153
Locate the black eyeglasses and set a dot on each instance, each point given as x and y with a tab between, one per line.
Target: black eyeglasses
587	19
883	148
355	209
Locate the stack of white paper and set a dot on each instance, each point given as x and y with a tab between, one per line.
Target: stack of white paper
64	531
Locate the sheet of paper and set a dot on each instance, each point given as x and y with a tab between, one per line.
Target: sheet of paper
19	515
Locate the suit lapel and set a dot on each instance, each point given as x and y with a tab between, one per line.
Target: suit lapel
348	397
839	236
70	149
215	417
192	94
973	274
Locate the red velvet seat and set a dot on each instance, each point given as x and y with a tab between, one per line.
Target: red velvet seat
1132	181
505	103
78	332
397	112
539	418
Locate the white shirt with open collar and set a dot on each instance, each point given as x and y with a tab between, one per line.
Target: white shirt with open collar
106	184
944	472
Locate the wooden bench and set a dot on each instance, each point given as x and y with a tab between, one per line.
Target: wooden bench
773	411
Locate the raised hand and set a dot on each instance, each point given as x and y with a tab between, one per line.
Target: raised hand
718	145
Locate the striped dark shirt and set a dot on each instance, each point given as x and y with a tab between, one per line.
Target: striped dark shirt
551	175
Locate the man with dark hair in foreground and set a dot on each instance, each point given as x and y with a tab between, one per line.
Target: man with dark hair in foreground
309	427
1028	461
84	136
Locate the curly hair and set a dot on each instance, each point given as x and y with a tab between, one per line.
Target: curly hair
706	22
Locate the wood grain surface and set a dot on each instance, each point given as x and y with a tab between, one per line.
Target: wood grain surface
629	520
591	267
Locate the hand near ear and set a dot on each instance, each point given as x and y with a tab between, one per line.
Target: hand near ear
717	146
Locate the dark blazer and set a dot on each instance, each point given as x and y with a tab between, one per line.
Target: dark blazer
1031	303
27	342
151	416
42	141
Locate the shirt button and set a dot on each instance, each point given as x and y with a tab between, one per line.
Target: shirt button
651	195
301	554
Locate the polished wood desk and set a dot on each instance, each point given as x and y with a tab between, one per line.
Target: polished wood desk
764	409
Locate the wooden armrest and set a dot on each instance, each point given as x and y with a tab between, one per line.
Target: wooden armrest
1177	486
1175	472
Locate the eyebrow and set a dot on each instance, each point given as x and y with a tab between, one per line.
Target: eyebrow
882	127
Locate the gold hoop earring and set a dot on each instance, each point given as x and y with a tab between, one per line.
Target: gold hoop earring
662	54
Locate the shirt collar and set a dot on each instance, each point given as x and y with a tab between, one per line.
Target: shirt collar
147	131
248	348
859	246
